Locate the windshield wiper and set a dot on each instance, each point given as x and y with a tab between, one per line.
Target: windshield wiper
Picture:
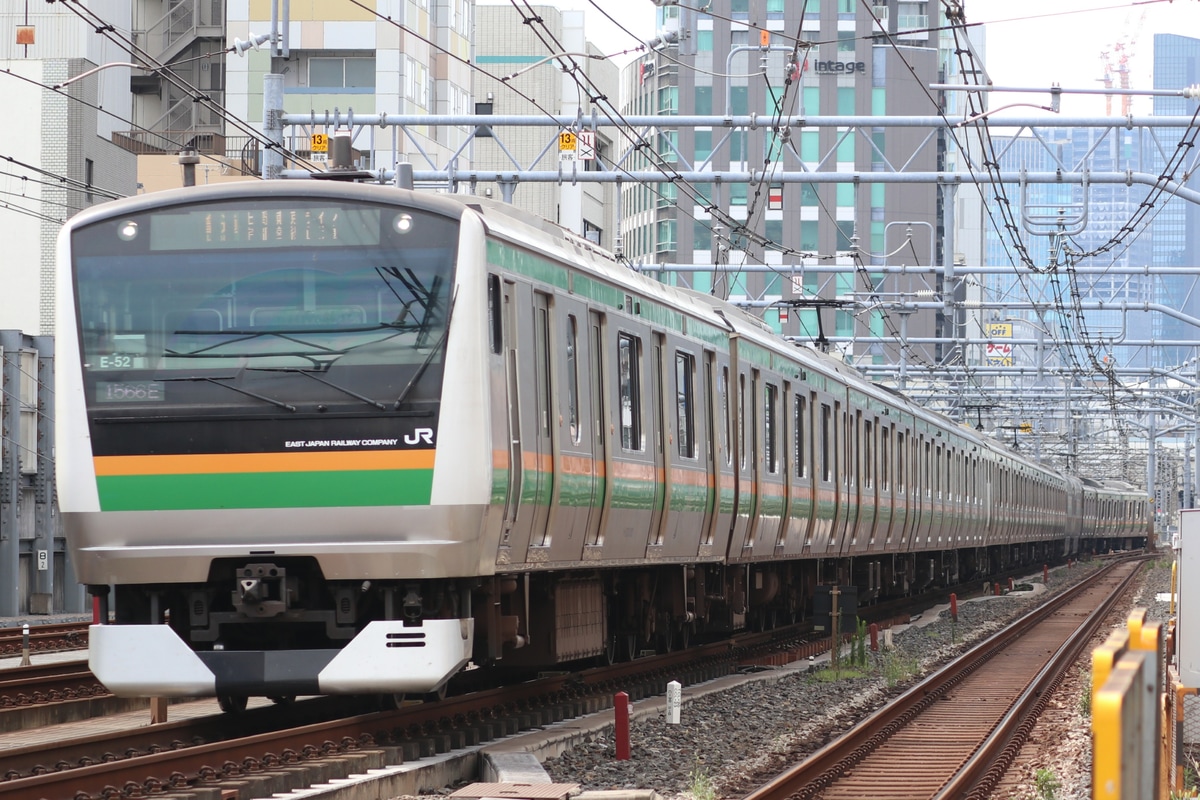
313	354
218	382
319	379
428	358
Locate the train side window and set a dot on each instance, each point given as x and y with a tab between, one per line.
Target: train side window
710	433
596	379
660	394
741	421
769	454
573	377
726	418
685	366
495	317
630	369
542	354
901	464
868	455
885	472
826	424
800	456
927	468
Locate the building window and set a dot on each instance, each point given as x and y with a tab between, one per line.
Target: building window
592	232
416	82
668	100
667	146
665	239
341	73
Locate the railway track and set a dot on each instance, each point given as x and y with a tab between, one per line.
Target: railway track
954	734
313	737
44	638
48	683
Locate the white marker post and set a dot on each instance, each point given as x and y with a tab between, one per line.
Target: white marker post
674	702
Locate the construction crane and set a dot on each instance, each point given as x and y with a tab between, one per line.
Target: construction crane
1115	60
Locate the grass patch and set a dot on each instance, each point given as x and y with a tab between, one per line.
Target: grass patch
701	787
828	675
897	668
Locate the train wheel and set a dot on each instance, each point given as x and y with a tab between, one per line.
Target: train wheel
609	656
629	646
283	699
684	636
392	702
231	704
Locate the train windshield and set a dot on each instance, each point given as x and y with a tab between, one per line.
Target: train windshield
307	305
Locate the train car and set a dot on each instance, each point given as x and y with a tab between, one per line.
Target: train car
318	437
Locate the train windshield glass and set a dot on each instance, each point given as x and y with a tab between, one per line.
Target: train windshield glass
234	303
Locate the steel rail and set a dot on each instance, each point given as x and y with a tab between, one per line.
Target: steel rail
821	770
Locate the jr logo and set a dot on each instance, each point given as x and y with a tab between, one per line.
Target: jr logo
420	435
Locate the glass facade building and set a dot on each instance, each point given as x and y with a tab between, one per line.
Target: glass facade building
738	58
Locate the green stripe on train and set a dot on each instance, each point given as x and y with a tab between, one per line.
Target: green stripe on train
265	490
555	274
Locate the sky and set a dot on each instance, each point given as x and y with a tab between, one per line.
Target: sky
1027	45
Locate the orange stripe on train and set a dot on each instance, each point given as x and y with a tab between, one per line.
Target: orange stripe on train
226	463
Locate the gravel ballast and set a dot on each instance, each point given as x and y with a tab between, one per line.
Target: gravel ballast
730	742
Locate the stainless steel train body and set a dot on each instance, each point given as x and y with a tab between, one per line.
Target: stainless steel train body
318	437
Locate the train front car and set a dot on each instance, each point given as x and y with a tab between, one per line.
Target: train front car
250	394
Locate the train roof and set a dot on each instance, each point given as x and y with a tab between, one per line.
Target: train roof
535	232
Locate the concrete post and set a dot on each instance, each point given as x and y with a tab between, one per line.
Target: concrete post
45	575
272	160
10	472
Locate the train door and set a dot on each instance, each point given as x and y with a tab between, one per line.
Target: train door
710	458
902	505
937	533
745	470
784	477
658	447
577	473
846	463
689	500
881	541
853	480
802	505
722	402
773	493
929	507
826	475
868	509
599	431
958	482
540	490
916	489
633	476
526	357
